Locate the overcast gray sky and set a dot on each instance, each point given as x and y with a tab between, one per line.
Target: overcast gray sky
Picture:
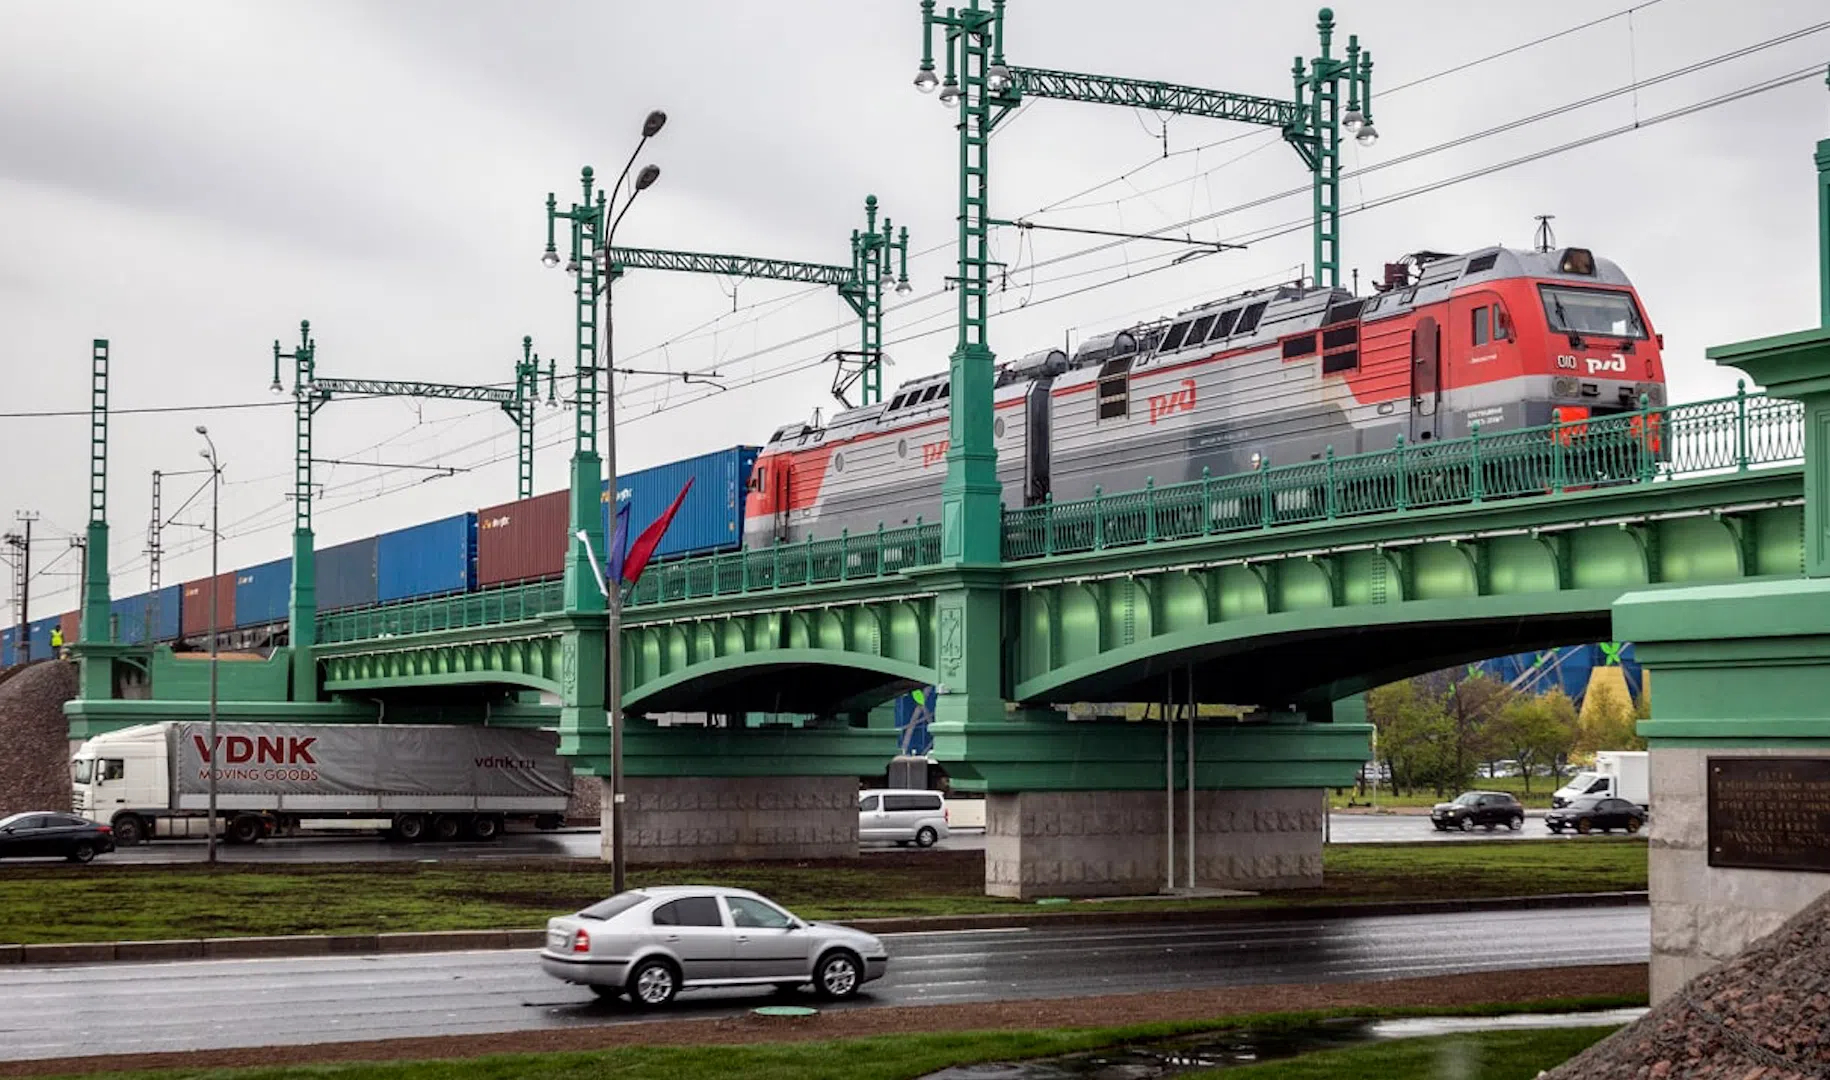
190	180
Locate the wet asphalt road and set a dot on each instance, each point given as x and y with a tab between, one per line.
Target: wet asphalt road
583	844
132	1008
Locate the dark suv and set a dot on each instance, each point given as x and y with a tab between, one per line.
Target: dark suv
1490	809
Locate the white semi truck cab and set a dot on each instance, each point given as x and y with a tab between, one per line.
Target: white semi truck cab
419	781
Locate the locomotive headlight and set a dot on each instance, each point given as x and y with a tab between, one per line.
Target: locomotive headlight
1368	134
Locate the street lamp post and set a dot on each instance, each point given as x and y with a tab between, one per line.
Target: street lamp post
209	455
593	232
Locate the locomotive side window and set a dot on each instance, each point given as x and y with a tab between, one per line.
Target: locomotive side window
930	394
1299	346
1173	340
946	388
1198	332
1602	312
1248	321
1502	329
896	404
1224	327
1482	315
1115	389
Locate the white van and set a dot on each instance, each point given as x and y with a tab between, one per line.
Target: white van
902	815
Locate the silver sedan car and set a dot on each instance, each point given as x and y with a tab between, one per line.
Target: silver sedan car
653	943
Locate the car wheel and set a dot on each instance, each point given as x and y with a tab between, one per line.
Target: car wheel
410	828
838	975
485	827
1632	824
128	830
606	993
1516	822
926	836
1584	827
244	829
653	983
1467	824
445	827
82	852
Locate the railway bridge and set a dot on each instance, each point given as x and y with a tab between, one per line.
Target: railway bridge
1286	590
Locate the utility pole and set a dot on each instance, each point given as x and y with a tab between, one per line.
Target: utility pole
154	552
22	581
97	670
987	89
310	392
873	266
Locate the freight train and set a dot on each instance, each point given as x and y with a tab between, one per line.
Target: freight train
1497	337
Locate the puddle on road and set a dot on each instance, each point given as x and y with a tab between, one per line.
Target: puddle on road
1219	1050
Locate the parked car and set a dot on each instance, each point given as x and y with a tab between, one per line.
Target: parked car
902	815
652	943
1489	809
47	835
1597	812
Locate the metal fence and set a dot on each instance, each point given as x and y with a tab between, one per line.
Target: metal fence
1643	446
1732	434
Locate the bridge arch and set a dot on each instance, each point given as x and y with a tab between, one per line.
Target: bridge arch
795	680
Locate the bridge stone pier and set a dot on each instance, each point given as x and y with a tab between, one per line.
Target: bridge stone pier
1084	808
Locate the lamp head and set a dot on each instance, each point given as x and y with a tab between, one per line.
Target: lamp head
903	288
1352	119
950	94
926	80
1367	135
550	259
646	178
277	387
653	124
997	78
201	430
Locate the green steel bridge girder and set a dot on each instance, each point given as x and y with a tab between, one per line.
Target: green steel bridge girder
1040	750
1285	615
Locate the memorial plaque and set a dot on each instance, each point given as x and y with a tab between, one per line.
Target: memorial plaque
1770	813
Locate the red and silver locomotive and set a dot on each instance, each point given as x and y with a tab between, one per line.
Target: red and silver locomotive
1497	338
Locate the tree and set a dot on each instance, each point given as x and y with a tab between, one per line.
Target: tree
1608	717
1535	730
1413	731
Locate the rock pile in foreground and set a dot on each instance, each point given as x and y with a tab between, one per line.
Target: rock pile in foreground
1765	1015
34	737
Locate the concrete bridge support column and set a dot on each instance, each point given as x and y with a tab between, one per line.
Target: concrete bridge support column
712	794
1081	808
1740	728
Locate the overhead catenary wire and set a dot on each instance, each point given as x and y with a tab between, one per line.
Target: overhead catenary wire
795	367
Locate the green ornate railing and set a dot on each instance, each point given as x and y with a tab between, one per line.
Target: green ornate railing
1732	434
1724	435
491	607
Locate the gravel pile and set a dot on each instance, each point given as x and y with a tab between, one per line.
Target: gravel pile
34	737
1765	1015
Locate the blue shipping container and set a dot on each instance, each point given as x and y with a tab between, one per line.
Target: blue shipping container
427	560
6	646
39	636
914	711
262	592
135	615
346	575
711	518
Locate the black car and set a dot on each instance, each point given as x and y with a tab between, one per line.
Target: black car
1489	809
1592	812
46	835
